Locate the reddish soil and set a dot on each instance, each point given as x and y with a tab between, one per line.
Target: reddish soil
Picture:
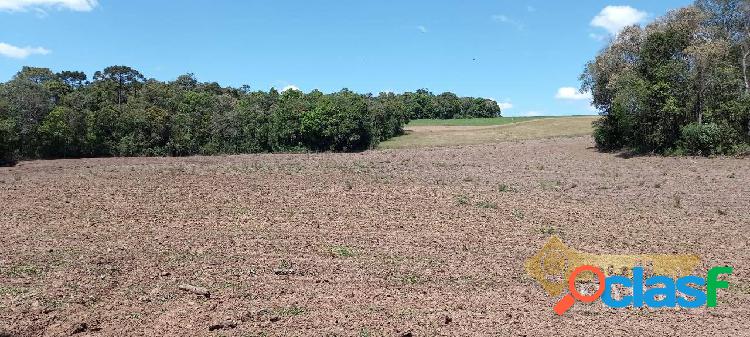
390	242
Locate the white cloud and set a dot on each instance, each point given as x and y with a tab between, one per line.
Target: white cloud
422	29
571	93
24	5
290	87
504	19
615	18
532	113
21	52
505	105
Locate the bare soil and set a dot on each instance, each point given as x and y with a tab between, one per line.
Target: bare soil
425	242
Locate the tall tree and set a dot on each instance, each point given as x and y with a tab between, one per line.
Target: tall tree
677	85
733	18
125	80
74	79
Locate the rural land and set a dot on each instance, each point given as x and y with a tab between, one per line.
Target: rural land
427	240
374	168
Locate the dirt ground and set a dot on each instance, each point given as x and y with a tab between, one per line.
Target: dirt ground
413	242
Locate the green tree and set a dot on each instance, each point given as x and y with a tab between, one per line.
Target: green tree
8	134
338	122
122	80
60	133
120	113
420	104
73	79
190	123
285	120
389	115
28	102
673	86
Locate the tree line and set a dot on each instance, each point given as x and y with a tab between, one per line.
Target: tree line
678	86
121	113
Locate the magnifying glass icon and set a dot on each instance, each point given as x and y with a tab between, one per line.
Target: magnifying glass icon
566	302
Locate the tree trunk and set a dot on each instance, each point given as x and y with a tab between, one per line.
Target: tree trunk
745	54
744	71
700	89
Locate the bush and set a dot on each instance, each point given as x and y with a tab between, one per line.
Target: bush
606	134
338	122
285	129
8	142
707	139
56	135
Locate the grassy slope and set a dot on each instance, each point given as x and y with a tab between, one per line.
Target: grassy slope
431	135
470	121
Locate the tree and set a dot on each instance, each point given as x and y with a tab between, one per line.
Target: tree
120	113
338	122
285	132
59	135
732	18
189	127
675	86
420	104
224	127
253	115
389	116
124	79
28	101
73	79
186	82
35	75
8	134
448	106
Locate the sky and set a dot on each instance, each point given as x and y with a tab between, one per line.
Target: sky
526	55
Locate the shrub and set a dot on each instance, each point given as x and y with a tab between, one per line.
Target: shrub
606	134
707	139
285	129
8	141
56	135
338	122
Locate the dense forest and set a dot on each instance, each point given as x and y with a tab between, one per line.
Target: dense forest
121	113
678	86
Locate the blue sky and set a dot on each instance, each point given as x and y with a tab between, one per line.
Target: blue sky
524	54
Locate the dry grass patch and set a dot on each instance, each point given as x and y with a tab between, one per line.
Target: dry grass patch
430	136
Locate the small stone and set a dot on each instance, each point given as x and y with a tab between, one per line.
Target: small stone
284	271
80	327
195	290
222	326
